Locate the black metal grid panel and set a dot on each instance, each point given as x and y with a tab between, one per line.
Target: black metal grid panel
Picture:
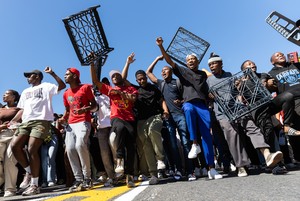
240	94
285	26
184	43
87	35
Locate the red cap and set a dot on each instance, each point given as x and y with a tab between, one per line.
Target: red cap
75	71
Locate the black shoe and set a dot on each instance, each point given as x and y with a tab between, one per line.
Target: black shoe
87	184
77	186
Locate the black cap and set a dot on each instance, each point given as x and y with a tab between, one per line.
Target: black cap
37	72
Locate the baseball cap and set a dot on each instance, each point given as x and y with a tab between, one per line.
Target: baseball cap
76	72
112	72
37	72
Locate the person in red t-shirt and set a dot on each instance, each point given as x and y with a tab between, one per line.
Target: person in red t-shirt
122	98
79	101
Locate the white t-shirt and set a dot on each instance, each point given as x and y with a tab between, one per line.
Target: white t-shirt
104	111
37	102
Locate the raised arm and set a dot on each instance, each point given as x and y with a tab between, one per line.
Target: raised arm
61	84
159	42
95	80
151	67
130	60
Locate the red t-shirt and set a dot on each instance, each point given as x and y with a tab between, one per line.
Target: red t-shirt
77	98
122	109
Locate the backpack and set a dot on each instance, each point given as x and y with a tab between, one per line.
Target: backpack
178	84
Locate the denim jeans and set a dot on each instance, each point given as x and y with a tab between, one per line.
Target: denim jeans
177	121
48	156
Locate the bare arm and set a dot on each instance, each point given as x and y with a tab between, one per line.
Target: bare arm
159	42
65	117
130	60
166	111
61	84
18	116
151	67
94	74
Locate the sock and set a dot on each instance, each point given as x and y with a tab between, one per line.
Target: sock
35	181
27	169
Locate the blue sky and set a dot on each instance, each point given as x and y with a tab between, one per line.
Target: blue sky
33	35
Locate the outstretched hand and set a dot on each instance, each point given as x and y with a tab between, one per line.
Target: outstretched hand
130	58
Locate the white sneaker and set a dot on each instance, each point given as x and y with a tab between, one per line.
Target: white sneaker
9	194
26	181
51	184
161	165
142	177
195	150
213	174
120	165
232	167
191	177
119	169
242	172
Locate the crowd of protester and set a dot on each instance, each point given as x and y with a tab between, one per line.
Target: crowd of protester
170	127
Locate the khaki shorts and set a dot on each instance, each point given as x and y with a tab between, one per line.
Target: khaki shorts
35	128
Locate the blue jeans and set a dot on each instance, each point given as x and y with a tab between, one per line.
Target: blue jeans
178	121
48	155
197	118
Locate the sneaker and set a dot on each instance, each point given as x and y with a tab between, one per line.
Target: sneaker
87	184
120	166
195	150
197	172
161	165
178	175
204	172
119	169
26	181
232	167
274	158
213	174
77	186
129	181
102	179
279	170
44	185
160	175
142	177
109	183
291	166
31	190
242	172
170	173
60	181
50	183
191	177
153	180
9	194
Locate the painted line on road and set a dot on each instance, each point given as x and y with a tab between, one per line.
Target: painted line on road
133	193
99	193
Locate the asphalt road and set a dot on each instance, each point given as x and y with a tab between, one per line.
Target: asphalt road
257	187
